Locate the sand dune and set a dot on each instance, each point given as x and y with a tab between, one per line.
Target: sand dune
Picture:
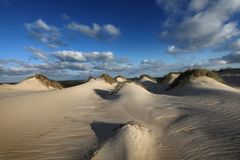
91	121
200	84
30	85
130	141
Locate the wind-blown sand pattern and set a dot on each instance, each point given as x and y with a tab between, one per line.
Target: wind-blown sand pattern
197	120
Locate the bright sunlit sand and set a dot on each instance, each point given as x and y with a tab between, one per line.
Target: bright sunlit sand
121	120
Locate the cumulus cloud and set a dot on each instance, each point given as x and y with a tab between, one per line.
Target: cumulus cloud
62	68
99	56
230	58
68	55
112	67
67	62
197	5
96	30
37	53
174	50
111	30
208	26
227	60
235	46
78	56
47	34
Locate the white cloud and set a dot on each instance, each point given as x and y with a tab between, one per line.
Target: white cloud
69	55
197	5
210	25
47	34
99	56
84	29
235	45
78	56
95	31
174	50
37	53
111	29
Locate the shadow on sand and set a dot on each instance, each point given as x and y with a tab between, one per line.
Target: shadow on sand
154	87
106	94
104	130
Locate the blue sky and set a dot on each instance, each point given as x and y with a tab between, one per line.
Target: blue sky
74	39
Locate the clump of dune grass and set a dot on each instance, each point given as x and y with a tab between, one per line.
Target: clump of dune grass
108	78
47	82
188	75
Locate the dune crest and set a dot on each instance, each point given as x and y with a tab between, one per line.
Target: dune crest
144	78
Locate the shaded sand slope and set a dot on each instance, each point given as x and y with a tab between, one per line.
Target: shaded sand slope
79	123
158	88
151	85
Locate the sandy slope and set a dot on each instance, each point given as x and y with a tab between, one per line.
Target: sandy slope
30	84
201	83
90	121
130	141
121	79
145	78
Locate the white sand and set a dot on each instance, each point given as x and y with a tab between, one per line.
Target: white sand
132	141
145	78
82	122
121	79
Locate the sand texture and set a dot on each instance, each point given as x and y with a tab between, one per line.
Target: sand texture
104	120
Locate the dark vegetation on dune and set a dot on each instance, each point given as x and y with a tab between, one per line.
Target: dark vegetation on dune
47	82
194	73
71	83
169	76
107	78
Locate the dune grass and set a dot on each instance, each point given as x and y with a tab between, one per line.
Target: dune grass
194	73
169	76
47	82
108	78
